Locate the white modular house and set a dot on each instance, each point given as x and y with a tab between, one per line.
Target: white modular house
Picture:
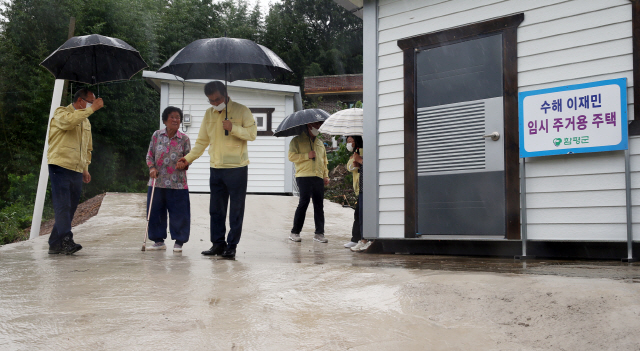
440	75
270	172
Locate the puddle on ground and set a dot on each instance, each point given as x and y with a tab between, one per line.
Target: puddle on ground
571	268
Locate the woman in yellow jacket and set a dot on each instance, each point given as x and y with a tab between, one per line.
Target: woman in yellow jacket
354	145
308	154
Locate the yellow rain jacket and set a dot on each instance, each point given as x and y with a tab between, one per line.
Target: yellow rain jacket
226	151
299	149
356	175
70	141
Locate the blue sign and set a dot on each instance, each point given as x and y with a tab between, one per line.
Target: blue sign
590	117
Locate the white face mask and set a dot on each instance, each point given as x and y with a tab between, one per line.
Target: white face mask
220	107
88	105
314	131
350	147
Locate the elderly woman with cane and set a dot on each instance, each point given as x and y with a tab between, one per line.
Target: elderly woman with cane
171	193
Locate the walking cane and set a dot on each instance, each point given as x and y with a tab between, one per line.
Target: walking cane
146	233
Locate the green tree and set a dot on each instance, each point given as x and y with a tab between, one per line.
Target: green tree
313	36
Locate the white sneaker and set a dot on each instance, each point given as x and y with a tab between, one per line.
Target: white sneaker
177	247
157	246
295	237
366	246
350	244
320	238
358	246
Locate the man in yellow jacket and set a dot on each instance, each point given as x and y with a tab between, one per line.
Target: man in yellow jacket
308	154
69	156
229	161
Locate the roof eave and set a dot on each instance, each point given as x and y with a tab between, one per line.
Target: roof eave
353	6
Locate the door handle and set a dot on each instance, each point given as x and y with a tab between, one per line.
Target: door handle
494	136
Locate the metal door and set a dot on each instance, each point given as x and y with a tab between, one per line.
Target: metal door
460	150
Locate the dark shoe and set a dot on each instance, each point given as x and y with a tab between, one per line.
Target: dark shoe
55	250
216	249
229	253
69	246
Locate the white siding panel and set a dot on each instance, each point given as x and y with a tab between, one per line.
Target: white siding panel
602	66
596	163
395	72
563	9
390	165
388	48
390	138
391	231
391	125
391	151
613	181
598	215
394	7
392	178
426	19
265	189
392	217
391	86
575	39
394	111
568	24
390	99
394	191
456	13
604	198
393	204
390	60
587	79
612	48
578	232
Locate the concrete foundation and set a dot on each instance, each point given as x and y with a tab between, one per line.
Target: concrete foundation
281	295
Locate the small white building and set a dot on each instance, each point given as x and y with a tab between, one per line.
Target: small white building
270	172
426	58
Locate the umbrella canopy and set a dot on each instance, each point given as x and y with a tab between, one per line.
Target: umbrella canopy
94	59
296	122
345	122
210	58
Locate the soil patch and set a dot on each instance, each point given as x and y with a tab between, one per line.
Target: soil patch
340	188
84	211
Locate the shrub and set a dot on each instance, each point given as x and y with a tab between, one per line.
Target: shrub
9	229
338	157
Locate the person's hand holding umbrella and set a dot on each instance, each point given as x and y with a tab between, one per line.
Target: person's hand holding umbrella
97	104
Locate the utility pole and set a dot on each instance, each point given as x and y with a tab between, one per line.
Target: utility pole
72	29
59	89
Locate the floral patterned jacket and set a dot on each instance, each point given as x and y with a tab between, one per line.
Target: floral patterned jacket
163	154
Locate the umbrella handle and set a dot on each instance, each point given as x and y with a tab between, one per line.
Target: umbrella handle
226	94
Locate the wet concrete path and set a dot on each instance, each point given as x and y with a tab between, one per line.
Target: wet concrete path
280	295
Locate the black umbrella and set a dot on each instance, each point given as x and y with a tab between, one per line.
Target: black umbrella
225	58
296	122
228	59
94	59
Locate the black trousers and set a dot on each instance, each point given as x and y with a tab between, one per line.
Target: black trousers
228	190
356	234
311	188
66	187
176	203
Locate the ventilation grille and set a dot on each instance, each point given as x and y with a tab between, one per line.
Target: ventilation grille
450	138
